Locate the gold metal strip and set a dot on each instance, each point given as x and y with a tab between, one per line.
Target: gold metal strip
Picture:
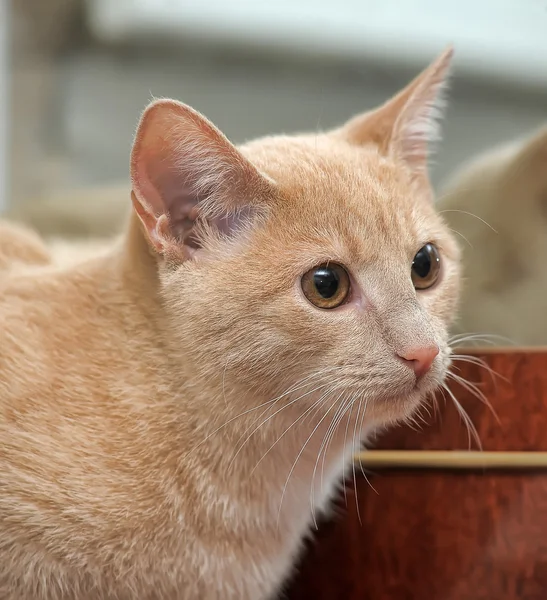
451	459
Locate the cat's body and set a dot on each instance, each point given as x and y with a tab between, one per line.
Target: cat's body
100	455
174	411
497	203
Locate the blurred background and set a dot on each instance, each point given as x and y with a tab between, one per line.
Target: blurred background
75	75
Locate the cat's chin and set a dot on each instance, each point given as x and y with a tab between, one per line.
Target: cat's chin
400	407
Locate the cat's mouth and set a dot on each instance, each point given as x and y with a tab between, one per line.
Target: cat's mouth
402	406
404	398
398	382
425	384
399	401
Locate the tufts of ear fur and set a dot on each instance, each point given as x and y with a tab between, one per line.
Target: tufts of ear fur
407	125
186	176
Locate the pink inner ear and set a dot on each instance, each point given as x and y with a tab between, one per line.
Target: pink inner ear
183	207
166	190
182	213
184	168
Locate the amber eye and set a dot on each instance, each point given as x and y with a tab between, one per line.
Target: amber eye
326	286
426	267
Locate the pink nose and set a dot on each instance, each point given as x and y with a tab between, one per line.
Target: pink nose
420	359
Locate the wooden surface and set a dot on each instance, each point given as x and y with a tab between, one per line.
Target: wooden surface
447	535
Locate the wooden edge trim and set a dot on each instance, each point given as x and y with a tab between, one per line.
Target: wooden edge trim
450	459
487	350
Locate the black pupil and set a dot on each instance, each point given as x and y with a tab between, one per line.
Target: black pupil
422	262
326	282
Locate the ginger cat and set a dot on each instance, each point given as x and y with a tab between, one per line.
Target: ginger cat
498	203
174	412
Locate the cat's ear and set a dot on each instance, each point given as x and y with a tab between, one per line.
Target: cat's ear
184	173
407	125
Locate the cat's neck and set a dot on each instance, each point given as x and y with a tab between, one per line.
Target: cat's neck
136	261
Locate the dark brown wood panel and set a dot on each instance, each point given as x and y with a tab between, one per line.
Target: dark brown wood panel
441	535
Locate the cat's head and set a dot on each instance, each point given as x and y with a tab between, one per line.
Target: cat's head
498	204
312	261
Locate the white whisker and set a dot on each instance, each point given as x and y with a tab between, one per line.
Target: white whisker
310	408
360	462
435	404
302	383
474	391
465	212
337	419
471	429
297	459
340	410
344	445
232	461
479	362
464	338
462	236
270	404
353	448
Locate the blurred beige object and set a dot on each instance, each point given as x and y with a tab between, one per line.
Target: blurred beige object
498	205
65	253
20	246
79	214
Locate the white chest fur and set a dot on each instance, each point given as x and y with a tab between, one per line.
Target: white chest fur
295	494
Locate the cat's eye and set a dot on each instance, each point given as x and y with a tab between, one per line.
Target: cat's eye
426	267
326	286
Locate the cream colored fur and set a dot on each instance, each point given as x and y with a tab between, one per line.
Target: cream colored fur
164	406
497	203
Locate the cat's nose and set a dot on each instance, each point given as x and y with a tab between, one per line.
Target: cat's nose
420	358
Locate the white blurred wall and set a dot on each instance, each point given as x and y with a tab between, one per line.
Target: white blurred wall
270	67
495	39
